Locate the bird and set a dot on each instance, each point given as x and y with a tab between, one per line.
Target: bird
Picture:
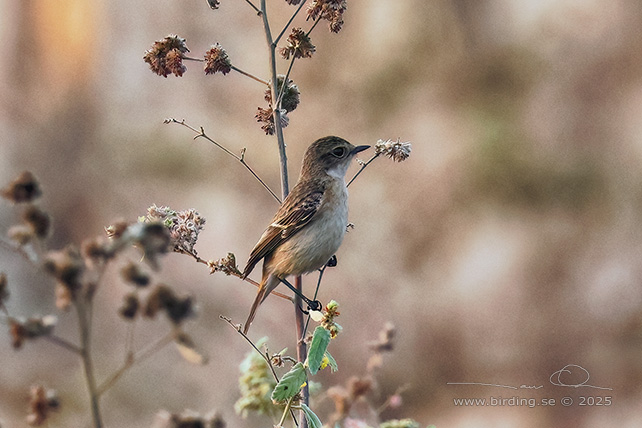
310	224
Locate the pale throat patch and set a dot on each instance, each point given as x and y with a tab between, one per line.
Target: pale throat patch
339	170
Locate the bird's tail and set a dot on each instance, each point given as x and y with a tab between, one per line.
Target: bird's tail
266	287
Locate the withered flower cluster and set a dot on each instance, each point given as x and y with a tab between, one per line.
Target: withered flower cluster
166	56
395	150
184	226
289	98
298	45
227	265
216	60
330	10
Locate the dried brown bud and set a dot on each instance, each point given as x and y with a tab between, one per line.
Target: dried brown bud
177	308
24	188
132	273
64	296
130	306
385	340
96	250
4	291
299	45
41	402
293	2
166	56
30	329
38	220
20	234
359	387
213	3
66	266
216	60
117	229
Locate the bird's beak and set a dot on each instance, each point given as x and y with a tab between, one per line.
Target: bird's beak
359	149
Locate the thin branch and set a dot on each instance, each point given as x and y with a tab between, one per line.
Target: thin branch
286	26
63	343
200	133
31	258
363	166
251	76
313	25
256	9
131	359
238	70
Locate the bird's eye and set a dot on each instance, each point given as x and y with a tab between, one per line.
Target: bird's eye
339	152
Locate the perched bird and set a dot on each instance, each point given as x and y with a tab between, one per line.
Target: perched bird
309	226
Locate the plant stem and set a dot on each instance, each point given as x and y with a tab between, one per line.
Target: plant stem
85	353
363	166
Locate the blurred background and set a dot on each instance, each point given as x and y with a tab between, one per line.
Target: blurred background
505	248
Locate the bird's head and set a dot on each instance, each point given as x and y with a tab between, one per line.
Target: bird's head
330	155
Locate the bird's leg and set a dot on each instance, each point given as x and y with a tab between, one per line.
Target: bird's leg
313	305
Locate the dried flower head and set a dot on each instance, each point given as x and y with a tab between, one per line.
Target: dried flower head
38	220
293	2
96	251
24	188
184	226
330	10
41	402
266	117
227	265
134	274
130	306
176	308
216	60
214	4
67	266
395	150
299	45
166	56
117	229
290	96
384	342
30	329
359	387
20	234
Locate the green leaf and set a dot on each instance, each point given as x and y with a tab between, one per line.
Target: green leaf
320	342
332	362
290	384
313	420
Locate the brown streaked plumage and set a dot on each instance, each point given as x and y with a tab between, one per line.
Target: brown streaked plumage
309	226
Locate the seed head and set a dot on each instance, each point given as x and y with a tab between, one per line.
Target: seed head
216	60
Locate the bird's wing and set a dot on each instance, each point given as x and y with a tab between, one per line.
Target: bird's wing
296	211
